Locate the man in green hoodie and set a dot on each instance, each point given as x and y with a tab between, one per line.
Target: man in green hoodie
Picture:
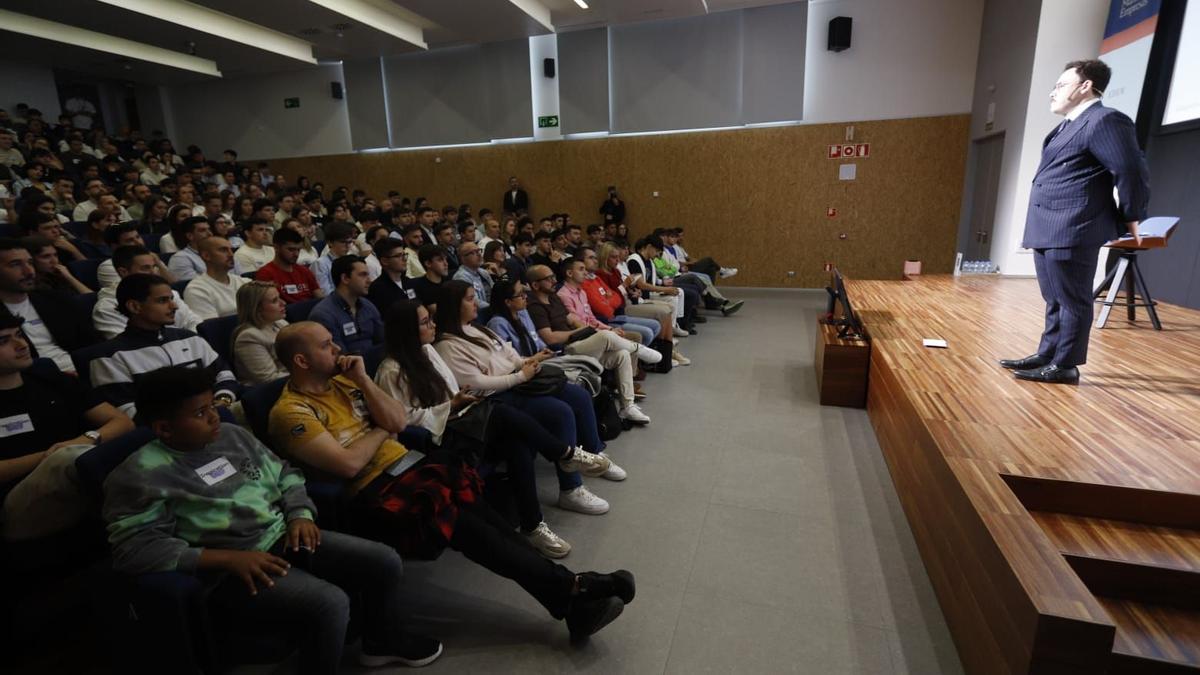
207	498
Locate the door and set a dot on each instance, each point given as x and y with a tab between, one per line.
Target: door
988	155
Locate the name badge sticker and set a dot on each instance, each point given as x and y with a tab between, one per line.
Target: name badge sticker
15	425
349	328
215	471
291	289
412	295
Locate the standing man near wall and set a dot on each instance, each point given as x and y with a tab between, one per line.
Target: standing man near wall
516	200
1072	213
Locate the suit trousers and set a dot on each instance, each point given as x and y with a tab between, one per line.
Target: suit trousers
1065	278
614	354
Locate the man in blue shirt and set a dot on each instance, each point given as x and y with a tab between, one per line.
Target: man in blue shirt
352	320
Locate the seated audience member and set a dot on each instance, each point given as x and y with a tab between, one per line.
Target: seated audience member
575	299
307	231
52	275
187	263
176	215
471	271
517	263
350	317
446	241
127	234
416	376
50	420
414	240
221	226
510	317
559	327
261	313
706	266
646	282
543	253
149	342
391	285
214	293
32	176
428	285
110	321
669	267
595	235
610	264
295	282
339	241
339	424
491	232
247	529
574	239
495	254
608	304
257	251
49	225
92	244
52	325
489	366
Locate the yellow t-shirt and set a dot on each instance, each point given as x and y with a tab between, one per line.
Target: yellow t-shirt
297	418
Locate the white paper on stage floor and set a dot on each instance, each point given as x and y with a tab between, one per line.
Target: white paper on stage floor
935	342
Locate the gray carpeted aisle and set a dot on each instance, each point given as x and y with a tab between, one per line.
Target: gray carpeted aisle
763	529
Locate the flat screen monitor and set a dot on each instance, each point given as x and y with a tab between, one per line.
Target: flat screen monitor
847	319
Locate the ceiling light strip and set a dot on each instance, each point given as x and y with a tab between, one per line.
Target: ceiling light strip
224	26
79	37
374	16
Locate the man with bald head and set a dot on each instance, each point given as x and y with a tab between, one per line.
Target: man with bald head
214	293
470	270
336	423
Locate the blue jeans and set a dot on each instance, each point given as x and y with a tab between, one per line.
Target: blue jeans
517	438
568	415
647	328
314	605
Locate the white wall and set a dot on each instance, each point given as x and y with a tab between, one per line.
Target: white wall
1067	30
248	115
34	85
908	58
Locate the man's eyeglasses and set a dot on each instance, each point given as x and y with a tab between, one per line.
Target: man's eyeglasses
1060	85
473	251
545	278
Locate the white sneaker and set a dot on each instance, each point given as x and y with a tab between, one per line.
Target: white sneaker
647	355
581	500
680	360
634	414
614	473
584	462
679	332
727	272
547	543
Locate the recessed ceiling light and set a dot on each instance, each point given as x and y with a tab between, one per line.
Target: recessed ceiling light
89	39
582	4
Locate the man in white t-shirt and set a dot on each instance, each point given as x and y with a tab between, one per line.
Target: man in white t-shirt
214	293
94	189
257	251
133	259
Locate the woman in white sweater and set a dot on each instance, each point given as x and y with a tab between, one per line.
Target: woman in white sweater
488	365
260	313
415	375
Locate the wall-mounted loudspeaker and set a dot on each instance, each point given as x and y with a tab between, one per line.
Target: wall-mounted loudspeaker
548	67
839	33
335	90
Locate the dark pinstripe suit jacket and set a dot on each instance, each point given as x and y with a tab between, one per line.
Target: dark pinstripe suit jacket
1072	199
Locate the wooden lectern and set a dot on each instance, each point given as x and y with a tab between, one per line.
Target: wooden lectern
1155	233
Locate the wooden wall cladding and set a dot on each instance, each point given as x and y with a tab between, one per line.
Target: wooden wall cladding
755	199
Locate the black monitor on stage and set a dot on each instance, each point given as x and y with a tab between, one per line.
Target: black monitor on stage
847	319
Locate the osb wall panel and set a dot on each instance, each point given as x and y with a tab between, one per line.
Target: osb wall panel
755	198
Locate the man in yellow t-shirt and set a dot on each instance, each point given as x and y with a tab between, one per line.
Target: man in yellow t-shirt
334	420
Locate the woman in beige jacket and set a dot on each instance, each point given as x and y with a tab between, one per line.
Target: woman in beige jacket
260	313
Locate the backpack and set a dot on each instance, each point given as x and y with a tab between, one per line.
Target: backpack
608	418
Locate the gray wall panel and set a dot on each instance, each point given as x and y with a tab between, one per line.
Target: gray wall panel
583	80
773	45
510	102
365	103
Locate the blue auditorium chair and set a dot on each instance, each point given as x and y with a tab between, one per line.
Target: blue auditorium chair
218	333
299	311
85	271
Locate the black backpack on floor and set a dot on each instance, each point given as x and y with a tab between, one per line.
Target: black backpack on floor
607	405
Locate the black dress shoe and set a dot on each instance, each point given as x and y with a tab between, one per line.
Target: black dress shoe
1035	361
1050	374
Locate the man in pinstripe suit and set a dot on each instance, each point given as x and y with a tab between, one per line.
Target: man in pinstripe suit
1072	213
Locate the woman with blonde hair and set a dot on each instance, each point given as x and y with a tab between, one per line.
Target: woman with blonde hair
260	313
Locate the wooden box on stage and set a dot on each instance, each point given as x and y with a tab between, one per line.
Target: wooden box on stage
841	365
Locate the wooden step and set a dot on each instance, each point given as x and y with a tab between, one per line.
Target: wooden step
1153	638
1137	543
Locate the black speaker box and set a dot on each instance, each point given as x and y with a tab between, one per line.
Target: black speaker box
548	67
335	90
839	33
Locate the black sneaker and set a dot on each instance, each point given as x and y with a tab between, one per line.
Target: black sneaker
619	584
413	651
700	319
587	617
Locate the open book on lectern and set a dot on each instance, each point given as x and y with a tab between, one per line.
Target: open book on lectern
1154	232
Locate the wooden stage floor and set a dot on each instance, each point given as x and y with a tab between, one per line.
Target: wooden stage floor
1060	525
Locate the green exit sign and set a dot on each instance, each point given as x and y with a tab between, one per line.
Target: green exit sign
291	103
547	121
